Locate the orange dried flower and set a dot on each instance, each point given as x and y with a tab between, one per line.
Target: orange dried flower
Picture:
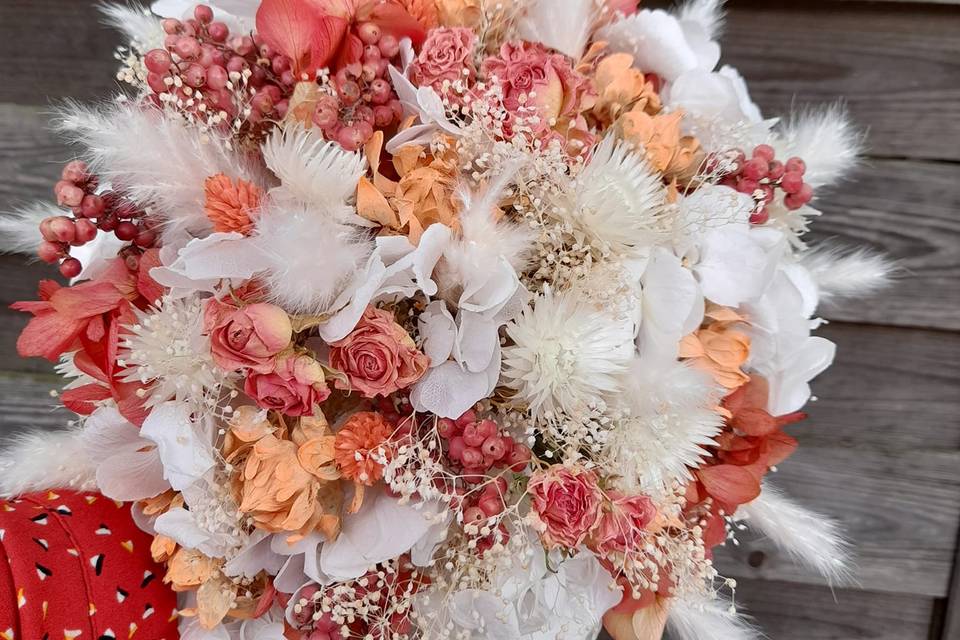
620	87
719	349
231	206
363	435
425	12
675	155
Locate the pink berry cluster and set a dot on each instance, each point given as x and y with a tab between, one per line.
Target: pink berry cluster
201	63
479	445
762	174
92	212
363	98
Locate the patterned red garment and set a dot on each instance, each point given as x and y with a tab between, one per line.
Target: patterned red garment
74	566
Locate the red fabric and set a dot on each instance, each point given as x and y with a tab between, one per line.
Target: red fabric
74	566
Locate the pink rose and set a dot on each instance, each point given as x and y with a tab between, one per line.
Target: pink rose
293	388
378	357
567	503
446	53
246	337
540	89
622	523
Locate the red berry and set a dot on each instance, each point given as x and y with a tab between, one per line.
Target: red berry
75	171
187	47
800	198
792	182
369	33
472	457
69	195
760	217
156	83
490	504
775	170
145	238
472	436
218	31
473	515
447	428
91	206
767	193
756	169
764	151
62	229
217	77
195	75
389	46
518	458
126	231
158	60
456	448
70	268
494	448
487	428
85	231
747	186
50	252
171	26
468	417
796	164
203	14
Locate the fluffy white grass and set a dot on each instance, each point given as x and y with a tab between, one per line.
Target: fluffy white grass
316	172
309	257
40	460
564	25
142	29
704	619
827	141
813	540
160	162
708	14
847	273
19	230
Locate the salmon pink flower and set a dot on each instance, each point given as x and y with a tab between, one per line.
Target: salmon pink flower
566	502
623	520
294	387
246	337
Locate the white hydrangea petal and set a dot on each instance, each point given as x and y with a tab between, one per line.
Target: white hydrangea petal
184	446
438	332
448	390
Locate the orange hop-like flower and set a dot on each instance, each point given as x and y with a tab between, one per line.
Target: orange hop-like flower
668	151
362	437
231	206
718	348
620	86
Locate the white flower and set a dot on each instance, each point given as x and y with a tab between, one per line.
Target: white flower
566	353
782	349
617	202
128	465
671	420
672	305
183	441
240	15
167	353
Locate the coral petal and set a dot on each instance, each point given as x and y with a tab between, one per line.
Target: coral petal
730	484
301	30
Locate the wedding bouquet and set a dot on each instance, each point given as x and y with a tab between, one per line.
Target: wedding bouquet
437	318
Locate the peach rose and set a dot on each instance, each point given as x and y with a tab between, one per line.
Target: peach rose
246	337
294	387
622	521
445	55
566	501
378	357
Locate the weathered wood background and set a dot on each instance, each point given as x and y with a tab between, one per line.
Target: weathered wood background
881	451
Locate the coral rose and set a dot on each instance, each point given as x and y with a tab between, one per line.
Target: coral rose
566	501
378	357
446	55
622	522
246	337
293	388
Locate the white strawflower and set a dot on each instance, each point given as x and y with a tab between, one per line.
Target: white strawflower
567	353
167	352
670	418
617	204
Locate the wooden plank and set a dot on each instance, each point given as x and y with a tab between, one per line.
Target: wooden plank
905	208
896	66
902	510
787	611
26	403
55	48
889	389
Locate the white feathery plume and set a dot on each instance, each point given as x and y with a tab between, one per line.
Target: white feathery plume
143	30
618	201
672	419
564	25
20	230
825	139
484	239
813	540
567	353
704	619
847	273
709	14
38	460
309	258
318	173
159	162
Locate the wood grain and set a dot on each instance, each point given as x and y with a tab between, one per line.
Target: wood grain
896	66
902	509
